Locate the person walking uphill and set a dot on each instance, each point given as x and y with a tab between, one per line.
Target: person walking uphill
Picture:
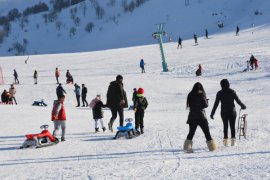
197	102
15	74
140	104
228	113
59	116
116	100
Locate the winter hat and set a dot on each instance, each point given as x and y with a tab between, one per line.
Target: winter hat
140	91
224	83
119	77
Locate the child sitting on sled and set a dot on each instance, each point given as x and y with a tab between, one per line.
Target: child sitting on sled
140	104
97	105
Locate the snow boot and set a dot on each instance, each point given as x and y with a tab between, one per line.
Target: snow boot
233	142
96	130
142	131
188	146
110	127
63	139
212	145
104	129
226	142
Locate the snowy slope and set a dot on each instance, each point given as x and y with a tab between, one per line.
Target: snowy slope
118	29
158	153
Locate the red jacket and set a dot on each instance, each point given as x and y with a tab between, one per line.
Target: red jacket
58	111
57	73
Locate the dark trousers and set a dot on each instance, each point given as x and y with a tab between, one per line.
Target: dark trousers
229	118
120	111
84	100
78	100
139	114
204	126
143	70
57	79
14	99
16	80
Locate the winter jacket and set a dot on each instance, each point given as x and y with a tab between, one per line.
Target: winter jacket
12	92
97	110
59	111
142	63
115	94
197	108
84	91
60	91
57	73
35	75
226	97
140	103
5	97
15	74
77	90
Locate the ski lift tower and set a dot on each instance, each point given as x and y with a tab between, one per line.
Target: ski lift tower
158	35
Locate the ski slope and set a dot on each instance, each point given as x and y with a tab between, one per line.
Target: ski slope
157	154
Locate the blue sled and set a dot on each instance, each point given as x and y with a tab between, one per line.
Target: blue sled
127	130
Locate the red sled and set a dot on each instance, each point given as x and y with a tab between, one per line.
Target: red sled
43	139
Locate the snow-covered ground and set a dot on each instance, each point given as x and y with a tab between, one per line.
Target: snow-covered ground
158	153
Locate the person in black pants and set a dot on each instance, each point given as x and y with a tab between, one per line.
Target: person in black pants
197	102
60	91
140	104
84	93
228	113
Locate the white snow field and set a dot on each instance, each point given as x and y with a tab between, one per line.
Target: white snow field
158	153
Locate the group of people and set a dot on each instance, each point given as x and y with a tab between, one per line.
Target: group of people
8	97
197	102
116	102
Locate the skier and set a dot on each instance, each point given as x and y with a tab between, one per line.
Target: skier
35	76
228	113
15	74
12	92
142	65
197	102
84	93
195	39
116	100
199	70
59	116
206	33
57	74
60	90
140	104
98	113
78	93
237	31
179	42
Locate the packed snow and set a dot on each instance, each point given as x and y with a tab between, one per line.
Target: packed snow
157	154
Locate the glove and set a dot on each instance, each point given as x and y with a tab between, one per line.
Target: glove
244	107
212	117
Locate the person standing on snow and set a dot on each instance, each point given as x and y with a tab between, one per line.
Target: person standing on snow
12	92
59	116
199	70
206	33
35	76
15	74
78	93
179	42
57	75
84	93
98	113
197	102
142	65
227	96
237	31
195	39
116	100
60	90
140	104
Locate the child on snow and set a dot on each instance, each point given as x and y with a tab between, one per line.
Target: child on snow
140	104
97	105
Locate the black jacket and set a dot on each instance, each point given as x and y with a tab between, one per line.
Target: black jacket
226	97
97	110
84	91
140	103
115	94
60	91
197	106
